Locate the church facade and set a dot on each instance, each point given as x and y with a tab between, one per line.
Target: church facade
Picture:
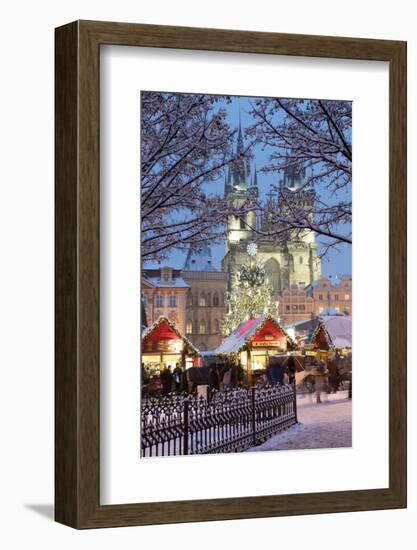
294	261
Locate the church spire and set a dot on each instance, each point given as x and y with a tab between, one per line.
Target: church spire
239	148
255	176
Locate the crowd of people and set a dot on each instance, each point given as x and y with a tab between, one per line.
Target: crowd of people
321	376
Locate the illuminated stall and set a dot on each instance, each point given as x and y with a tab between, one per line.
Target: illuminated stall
333	333
164	346
254	341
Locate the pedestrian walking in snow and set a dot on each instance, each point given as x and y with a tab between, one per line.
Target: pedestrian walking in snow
320	374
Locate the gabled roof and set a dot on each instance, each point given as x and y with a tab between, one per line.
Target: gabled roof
150	330
199	259
337	330
175	282
247	330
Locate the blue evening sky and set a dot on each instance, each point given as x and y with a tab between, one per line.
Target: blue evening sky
336	262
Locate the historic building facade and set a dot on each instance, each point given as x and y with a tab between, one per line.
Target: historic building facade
332	294
295	305
164	294
205	304
293	262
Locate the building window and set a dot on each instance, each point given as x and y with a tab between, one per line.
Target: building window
144	300
189	327
159	300
302	308
320	296
287	308
202	327
216	300
172	301
189	300
295	307
208	300
217	326
202	301
320	310
347	296
336	297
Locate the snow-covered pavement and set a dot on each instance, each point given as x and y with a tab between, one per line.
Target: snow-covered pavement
324	425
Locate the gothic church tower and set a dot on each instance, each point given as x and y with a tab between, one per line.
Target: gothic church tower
294	261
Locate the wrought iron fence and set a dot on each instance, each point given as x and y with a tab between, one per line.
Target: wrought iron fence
229	421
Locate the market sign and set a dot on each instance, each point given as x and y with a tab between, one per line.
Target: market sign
266	344
162	346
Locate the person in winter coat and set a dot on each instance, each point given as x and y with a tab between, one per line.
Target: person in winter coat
166	381
291	369
177	375
213	378
334	377
227	378
320	374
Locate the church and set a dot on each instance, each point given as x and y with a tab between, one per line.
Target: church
294	261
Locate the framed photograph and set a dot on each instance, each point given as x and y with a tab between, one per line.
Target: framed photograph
230	274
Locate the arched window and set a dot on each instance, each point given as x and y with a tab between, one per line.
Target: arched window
172	300
208	300
189	327
159	300
215	299
273	272
189	299
202	300
202	327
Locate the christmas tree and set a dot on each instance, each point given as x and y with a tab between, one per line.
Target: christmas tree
251	295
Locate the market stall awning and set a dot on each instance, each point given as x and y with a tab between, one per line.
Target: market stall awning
164	334
264	330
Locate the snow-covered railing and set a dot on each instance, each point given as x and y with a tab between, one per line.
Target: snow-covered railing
230	421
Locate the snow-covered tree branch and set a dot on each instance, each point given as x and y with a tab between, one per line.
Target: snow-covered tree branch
312	138
186	145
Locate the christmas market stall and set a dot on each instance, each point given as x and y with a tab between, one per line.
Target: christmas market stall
163	347
252	343
331	347
333	333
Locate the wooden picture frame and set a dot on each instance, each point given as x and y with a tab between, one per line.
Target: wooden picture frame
77	406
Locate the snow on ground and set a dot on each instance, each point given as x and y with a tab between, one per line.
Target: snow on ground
321	425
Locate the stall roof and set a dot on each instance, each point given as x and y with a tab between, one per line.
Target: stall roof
338	329
237	340
170	329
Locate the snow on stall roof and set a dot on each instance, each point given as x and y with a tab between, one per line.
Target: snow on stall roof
339	328
242	333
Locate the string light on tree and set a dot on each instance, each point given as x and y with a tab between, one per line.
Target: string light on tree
251	295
